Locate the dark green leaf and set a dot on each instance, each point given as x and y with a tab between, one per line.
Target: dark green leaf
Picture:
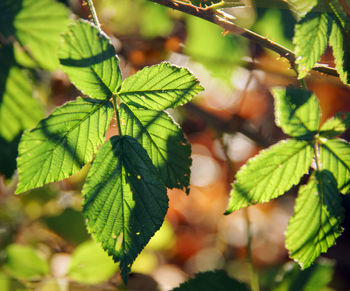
62	143
317	219
297	112
125	201
160	87
271	173
90	61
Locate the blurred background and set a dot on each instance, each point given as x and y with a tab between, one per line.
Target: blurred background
43	230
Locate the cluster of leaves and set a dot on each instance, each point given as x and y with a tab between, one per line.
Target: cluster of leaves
318	211
125	193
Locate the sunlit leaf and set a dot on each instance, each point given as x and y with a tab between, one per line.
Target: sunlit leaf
301	7
62	143
125	201
212	280
164	142
317	219
90	264
90	61
336	125
297	112
271	173
24	262
160	87
335	157
37	25
310	40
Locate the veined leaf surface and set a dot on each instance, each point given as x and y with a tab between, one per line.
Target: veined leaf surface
159	87
125	201
164	142
62	143
336	125
297	112
271	173
317	219
310	40
90	61
301	7
335	157
37	25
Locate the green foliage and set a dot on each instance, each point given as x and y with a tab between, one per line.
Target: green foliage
212	280
90	264
23	262
301	7
275	170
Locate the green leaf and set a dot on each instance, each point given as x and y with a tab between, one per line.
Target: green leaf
62	143
37	25
8	155
18	109
336	125
8	283
125	200
301	7
317	219
335	157
297	112
212	280
90	61
315	278
310	40
341	50
271	173
164	142
159	87
90	264
24	263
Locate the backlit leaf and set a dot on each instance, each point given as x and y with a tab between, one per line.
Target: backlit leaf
297	112
62	143
301	7
310	40
271	173
336	125
125	201
90	61
317	219
163	140
160	87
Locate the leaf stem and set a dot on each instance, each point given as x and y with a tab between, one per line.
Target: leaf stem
93	13
317	156
116	110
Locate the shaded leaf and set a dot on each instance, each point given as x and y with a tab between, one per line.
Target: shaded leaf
164	142
159	87
301	7
62	143
90	61
297	112
125	201
271	173
336	125
310	40
212	280
317	219
335	157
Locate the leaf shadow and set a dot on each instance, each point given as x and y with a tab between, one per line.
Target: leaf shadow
89	61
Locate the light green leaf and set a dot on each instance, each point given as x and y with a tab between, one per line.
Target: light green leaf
37	25
125	201
90	264
336	125
317	219
310	40
297	112
271	173
23	262
164	142
212	280
159	87
90	61
62	143
301	7
18	109
335	157
340	44
315	278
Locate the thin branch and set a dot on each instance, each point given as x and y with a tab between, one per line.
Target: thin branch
221	19
93	13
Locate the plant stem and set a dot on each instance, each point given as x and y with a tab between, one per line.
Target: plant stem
115	105
218	17
93	13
